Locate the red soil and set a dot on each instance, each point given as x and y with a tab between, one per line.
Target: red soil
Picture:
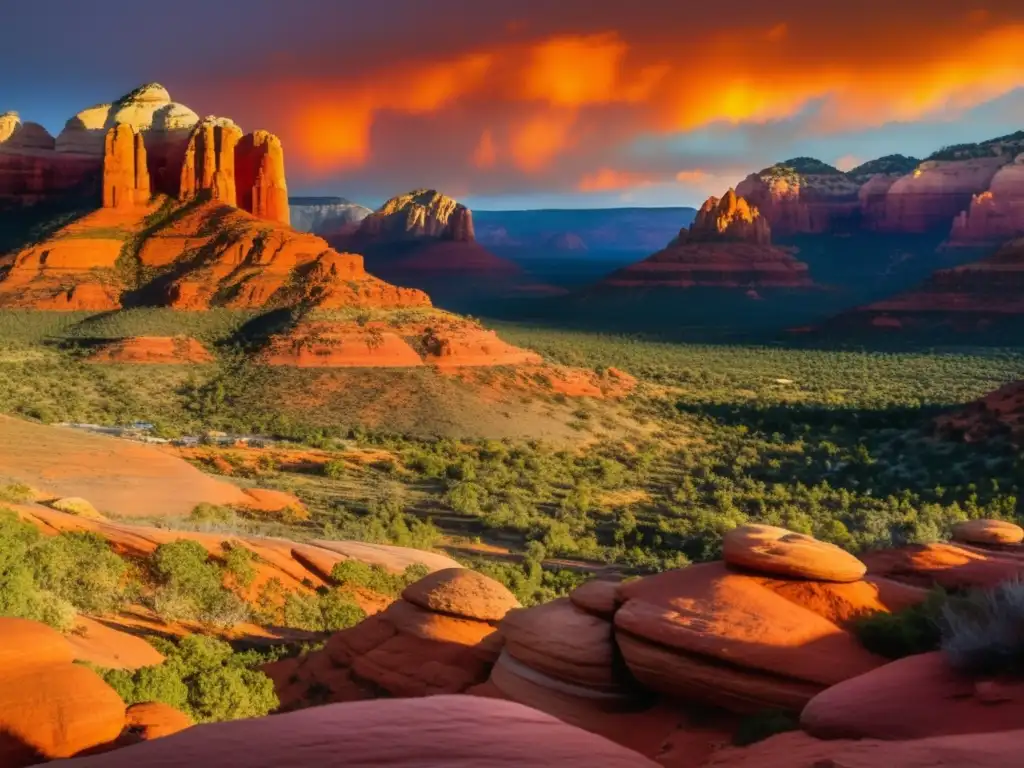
158	350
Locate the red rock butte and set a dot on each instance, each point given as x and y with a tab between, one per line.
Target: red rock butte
729	245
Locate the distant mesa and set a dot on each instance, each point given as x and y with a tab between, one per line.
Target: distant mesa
422	213
979	296
566	241
727	246
326	216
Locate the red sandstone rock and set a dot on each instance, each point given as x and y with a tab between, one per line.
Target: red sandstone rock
418	214
153	350
731	218
462	592
944	565
799	197
798	750
209	165
95	642
713	635
988	532
29	644
767	549
125	172
55	711
913	698
155	720
439	732
262	190
597	597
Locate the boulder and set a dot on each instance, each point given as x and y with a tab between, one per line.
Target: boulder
943	565
29	644
913	698
446	731
461	592
597	597
155	720
717	636
988	532
767	549
55	711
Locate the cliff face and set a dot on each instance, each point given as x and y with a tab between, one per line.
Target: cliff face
996	215
262	190
422	213
32	172
802	196
727	246
125	172
972	297
209	165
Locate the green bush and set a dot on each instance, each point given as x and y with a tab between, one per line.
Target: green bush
376	578
238	562
202	677
325	611
192	586
16	493
917	629
212	513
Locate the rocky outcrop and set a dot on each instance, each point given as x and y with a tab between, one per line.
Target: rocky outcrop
988	532
49	707
439	638
153	720
208	170
18	136
32	172
727	246
326	216
914	698
152	350
985	296
438	732
802	195
730	219
422	213
997	414
995	215
125	169
262	189
767	549
949	566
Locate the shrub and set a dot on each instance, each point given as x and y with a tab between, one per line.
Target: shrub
335	469
238	562
983	631
914	630
192	586
376	578
81	569
202	677
212	513
16	493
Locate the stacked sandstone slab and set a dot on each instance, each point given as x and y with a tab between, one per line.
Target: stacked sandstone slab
796	202
440	638
765	629
995	215
727	246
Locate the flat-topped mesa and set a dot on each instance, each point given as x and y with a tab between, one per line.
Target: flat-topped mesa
208	169
418	214
996	215
259	176
730	219
125	170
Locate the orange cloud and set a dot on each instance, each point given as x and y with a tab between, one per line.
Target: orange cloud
691	177
545	98
485	155
610	180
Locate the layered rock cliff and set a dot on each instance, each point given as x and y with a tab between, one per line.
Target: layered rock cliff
727	246
979	296
209	165
125	171
32	172
802	195
996	215
419	214
262	189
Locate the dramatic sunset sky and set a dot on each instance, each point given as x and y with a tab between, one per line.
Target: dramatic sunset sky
540	103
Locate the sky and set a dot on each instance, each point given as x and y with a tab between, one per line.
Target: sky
540	103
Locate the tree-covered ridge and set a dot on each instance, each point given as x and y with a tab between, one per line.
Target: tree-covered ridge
1010	145
888	165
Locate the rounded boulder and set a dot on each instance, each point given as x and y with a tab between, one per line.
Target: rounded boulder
463	593
777	551
988	532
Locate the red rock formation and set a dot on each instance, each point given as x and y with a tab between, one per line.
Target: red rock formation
727	246
125	171
441	637
259	164
152	350
802	196
913	698
995	414
422	213
767	549
974	297
944	565
728	219
209	165
988	532
438	732
155	720
996	215
49	707
32	172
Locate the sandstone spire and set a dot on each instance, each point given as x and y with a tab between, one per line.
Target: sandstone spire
209	165
125	173
262	190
